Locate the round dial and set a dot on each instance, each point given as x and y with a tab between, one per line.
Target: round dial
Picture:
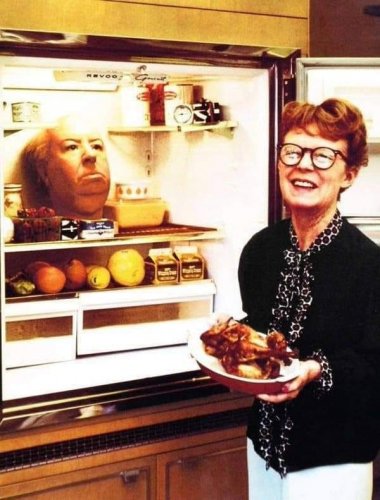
183	114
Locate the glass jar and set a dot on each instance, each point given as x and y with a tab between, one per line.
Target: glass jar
12	199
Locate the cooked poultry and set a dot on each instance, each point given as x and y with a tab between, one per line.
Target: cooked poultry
244	352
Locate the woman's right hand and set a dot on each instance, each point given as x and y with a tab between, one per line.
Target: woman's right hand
310	370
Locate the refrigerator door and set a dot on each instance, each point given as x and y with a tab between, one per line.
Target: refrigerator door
357	80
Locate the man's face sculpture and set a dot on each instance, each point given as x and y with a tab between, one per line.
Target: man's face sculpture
77	174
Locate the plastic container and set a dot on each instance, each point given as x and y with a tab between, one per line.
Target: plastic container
136	213
33	229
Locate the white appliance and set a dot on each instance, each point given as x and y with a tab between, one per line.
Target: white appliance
219	179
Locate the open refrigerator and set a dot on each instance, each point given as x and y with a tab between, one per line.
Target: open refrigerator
128	346
217	179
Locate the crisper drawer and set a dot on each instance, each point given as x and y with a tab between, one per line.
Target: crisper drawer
142	317
40	332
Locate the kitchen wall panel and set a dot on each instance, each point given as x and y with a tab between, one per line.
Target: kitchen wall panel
263	23
270	7
341	29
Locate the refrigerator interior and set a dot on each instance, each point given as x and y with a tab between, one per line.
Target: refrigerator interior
357	80
207	178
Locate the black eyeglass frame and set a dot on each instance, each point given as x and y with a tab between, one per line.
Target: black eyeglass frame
336	152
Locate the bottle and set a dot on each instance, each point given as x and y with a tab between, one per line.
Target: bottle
12	199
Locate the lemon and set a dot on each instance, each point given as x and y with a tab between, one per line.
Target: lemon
127	267
98	277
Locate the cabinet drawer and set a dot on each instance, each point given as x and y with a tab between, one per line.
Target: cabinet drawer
142	317
40	332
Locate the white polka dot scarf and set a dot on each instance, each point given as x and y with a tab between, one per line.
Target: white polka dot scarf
293	299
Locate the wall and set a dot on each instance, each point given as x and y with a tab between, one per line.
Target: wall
273	23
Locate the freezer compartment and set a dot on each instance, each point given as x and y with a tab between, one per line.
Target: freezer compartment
40	332
358	81
142	317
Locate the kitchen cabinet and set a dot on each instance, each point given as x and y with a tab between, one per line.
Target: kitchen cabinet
130	479
212	472
203	456
264	23
331	39
215	471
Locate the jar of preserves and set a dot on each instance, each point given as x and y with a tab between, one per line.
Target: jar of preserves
12	199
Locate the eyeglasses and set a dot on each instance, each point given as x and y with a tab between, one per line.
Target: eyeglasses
322	157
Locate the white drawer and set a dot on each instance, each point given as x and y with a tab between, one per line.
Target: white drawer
40	332
142	317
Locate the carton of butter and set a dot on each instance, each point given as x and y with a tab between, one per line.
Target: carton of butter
96	229
161	268
190	263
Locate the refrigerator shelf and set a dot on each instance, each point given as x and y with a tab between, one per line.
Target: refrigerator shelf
113	294
134	236
211	127
218	127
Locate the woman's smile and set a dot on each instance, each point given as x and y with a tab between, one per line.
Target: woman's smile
303	183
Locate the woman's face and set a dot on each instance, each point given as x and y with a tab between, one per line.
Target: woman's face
77	175
306	188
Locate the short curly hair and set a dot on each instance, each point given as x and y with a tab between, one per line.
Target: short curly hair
335	119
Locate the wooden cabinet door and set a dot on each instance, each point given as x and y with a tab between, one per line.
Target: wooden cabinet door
123	480
216	471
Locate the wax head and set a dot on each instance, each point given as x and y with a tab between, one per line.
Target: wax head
73	167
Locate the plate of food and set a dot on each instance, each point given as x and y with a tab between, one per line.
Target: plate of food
236	355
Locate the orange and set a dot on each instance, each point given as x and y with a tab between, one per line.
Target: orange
49	279
76	275
127	267
34	266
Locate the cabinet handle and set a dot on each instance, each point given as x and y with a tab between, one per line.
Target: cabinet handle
189	462
130	476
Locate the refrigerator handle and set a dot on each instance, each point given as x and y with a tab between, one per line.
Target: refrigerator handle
282	89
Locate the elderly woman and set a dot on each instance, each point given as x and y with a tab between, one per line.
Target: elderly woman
316	278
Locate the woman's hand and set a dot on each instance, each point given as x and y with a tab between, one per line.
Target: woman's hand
309	370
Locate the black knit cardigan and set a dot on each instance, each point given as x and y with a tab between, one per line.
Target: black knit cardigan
343	321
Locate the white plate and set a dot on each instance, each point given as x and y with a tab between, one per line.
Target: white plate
213	367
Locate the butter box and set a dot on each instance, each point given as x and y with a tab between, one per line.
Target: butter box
96	229
69	229
161	267
191	265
